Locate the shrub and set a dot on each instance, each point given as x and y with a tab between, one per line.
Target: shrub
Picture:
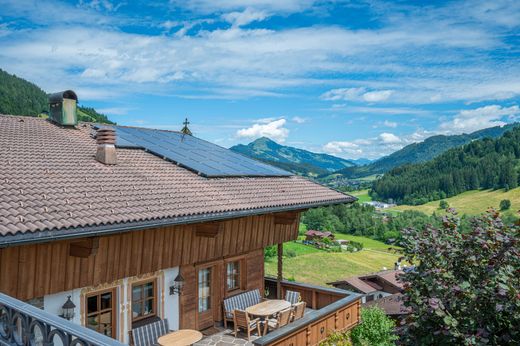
337	339
505	204
376	329
443	204
465	287
290	253
270	252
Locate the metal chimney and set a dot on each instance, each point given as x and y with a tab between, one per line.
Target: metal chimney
106	149
63	108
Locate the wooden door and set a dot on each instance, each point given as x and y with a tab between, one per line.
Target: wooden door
205	297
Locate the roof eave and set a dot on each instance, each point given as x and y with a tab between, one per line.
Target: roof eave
91	231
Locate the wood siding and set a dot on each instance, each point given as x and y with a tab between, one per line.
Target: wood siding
31	271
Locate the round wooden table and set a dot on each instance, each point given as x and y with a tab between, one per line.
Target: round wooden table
268	308
182	337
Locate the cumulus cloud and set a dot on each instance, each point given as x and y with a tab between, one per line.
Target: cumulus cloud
342	147
471	120
357	94
274	130
389	138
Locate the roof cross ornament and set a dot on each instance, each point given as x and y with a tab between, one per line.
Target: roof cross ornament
185	130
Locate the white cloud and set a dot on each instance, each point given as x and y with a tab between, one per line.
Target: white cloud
275	130
471	120
342	147
298	120
389	138
357	94
249	15
391	124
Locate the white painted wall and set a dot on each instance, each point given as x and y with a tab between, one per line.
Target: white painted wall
171	302
53	303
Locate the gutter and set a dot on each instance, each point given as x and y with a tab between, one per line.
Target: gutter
92	231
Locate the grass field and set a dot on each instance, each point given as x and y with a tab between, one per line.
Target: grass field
471	202
362	195
318	267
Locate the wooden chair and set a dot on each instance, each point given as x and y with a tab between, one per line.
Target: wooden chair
148	334
242	320
298	310
282	319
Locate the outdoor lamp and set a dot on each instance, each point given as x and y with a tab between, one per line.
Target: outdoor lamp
68	309
177	285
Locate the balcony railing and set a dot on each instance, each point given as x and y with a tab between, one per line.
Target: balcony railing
24	324
334	310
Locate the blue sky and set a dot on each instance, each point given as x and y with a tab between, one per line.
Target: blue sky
350	78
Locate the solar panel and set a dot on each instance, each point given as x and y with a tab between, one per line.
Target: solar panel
202	157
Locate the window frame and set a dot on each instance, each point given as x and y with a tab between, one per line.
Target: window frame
241	260
98	294
143	300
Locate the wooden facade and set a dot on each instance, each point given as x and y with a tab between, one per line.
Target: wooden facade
31	271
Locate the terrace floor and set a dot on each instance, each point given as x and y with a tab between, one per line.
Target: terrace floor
225	337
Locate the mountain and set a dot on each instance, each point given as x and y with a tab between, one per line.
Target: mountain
21	97
482	164
362	161
292	159
422	152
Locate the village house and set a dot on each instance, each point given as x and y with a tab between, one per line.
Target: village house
113	228
312	235
373	286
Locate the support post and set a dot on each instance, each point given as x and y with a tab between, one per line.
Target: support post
280	272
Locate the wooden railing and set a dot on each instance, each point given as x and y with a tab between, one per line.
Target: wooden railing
334	311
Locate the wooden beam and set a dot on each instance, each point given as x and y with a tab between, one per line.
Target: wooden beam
280	272
207	230
287	218
84	248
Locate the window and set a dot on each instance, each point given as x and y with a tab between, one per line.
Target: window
101	312
233	275
204	289
144	300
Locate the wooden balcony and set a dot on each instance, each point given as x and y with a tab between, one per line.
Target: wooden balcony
333	310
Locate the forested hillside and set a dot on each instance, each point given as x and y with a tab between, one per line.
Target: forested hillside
422	152
486	163
21	97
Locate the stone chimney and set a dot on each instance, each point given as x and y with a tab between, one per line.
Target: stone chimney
106	149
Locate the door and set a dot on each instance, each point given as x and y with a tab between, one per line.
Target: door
101	312
204	298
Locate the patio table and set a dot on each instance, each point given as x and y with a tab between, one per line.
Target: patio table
182	337
268	308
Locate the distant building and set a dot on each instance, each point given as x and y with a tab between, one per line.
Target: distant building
318	235
373	286
380	205
392	305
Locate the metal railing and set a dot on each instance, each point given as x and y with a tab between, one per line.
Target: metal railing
24	324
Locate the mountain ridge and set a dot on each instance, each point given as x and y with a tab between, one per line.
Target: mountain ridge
296	160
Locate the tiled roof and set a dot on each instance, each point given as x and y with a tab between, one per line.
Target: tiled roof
50	180
360	285
392	304
392	278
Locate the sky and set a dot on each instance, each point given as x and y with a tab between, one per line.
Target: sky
355	79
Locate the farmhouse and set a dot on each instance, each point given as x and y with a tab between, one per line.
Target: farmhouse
114	228
318	235
373	286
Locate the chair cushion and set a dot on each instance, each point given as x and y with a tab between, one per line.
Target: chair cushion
148	334
241	301
292	297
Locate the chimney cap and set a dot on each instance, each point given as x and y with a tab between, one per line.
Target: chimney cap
59	96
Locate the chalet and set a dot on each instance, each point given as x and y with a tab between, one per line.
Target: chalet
115	227
318	235
373	286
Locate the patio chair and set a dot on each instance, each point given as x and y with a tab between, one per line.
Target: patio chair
292	297
242	320
148	334
282	319
298	310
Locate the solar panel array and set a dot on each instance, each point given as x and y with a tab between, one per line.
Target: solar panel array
202	157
